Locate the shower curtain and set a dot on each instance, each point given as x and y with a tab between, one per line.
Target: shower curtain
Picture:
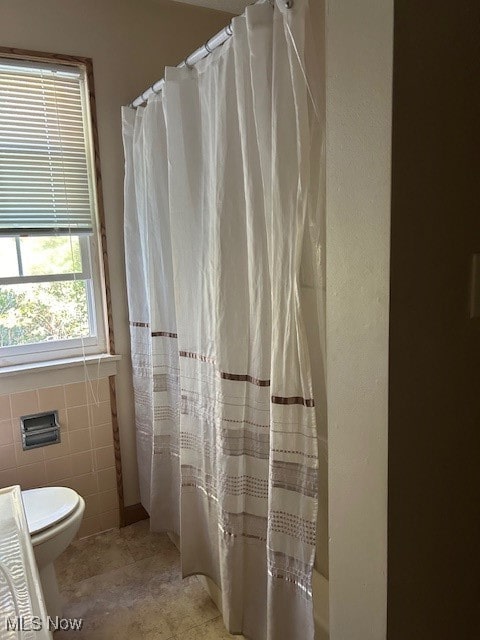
222	203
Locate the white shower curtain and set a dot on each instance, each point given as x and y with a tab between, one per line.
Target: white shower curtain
222	195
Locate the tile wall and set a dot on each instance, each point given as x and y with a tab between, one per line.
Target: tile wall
83	460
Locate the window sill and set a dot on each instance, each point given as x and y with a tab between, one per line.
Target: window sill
50	373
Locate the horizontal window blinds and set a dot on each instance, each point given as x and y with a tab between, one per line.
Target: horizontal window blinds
44	167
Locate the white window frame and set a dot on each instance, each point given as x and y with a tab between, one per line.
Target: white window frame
92	265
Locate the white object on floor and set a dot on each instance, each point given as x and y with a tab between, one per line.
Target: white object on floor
20	589
54	515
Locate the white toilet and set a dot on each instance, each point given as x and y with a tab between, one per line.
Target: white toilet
53	515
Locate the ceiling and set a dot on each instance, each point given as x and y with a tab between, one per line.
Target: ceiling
231	6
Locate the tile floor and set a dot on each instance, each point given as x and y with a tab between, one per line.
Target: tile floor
126	584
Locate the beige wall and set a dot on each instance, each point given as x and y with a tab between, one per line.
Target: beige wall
130	42
434	452
83	459
359	75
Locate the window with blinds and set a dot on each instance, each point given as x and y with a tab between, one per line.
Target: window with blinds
51	287
44	158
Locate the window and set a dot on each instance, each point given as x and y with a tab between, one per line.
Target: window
50	275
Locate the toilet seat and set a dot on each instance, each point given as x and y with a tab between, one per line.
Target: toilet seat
48	506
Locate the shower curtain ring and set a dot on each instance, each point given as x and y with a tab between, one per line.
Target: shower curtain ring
207	47
289	4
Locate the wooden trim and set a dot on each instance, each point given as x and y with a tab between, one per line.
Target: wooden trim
106	280
100	206
116	449
87	64
134	513
26	54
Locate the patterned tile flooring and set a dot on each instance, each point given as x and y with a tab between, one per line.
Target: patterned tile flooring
126	584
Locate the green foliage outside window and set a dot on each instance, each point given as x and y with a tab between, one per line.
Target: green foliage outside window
43	311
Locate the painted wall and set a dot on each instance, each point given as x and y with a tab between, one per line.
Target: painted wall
130	43
359	102
434	452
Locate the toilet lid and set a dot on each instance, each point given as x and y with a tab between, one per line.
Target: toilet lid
47	506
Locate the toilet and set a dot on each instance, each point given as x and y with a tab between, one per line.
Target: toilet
53	516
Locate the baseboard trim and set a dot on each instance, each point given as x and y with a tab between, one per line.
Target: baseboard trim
134	513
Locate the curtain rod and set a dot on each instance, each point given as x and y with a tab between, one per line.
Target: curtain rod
202	52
